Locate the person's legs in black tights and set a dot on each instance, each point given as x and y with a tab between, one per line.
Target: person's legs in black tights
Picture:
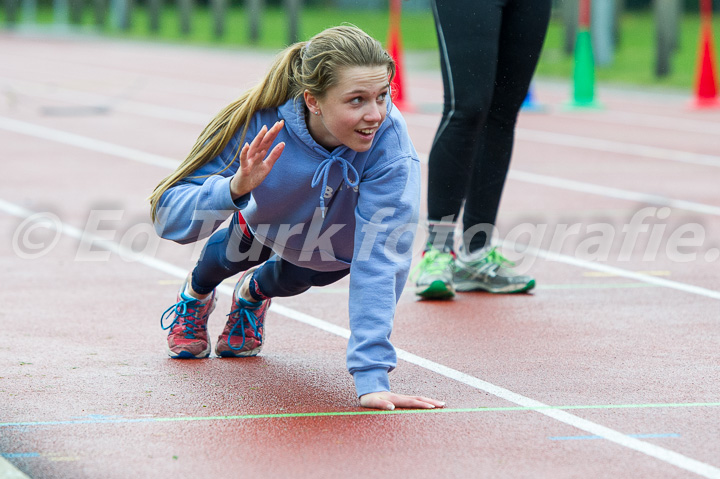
468	33
488	50
523	28
488	53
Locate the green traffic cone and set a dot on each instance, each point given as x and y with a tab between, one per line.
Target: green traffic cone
584	73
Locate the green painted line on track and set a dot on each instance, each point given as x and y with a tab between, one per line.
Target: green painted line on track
350	413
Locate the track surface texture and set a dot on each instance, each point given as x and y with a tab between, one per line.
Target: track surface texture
609	368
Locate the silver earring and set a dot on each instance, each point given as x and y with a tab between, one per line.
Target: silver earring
317	112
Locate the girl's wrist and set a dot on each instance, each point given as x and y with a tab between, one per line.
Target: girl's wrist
236	191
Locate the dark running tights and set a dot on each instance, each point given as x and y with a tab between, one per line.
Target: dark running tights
488	53
230	251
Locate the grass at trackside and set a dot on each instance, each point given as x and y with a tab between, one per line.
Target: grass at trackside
633	64
634	60
417	27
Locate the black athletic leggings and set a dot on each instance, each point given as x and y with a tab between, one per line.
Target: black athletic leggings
488	53
234	249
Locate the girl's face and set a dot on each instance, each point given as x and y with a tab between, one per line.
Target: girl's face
351	112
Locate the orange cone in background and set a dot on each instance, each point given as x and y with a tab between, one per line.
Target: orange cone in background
394	48
706	92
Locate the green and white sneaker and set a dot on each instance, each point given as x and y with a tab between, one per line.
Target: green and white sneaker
433	276
489	271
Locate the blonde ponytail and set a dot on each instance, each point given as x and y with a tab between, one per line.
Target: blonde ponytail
313	65
274	90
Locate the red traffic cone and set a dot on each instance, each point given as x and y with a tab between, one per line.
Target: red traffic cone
394	47
706	92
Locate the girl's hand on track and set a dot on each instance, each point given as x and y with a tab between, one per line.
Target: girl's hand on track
389	401
255	162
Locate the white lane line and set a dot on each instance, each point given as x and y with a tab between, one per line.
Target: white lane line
8	471
99	146
606	191
524	134
644	120
117	103
666	455
610	192
617	147
83	73
612	270
87	143
612	117
595	144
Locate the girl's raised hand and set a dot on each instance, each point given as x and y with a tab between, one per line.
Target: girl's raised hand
255	161
389	401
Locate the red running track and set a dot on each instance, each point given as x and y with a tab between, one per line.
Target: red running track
609	369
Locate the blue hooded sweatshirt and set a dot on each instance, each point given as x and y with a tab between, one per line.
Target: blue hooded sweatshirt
325	211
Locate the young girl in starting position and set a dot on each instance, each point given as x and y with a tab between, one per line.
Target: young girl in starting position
337	194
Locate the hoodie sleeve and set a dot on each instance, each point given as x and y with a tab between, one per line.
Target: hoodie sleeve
195	206
386	222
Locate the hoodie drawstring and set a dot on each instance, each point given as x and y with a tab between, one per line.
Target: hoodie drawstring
323	170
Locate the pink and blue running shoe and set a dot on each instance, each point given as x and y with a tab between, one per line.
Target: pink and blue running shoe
188	338
245	329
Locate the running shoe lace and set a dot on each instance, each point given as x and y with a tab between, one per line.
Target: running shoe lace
496	258
433	262
241	315
182	309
